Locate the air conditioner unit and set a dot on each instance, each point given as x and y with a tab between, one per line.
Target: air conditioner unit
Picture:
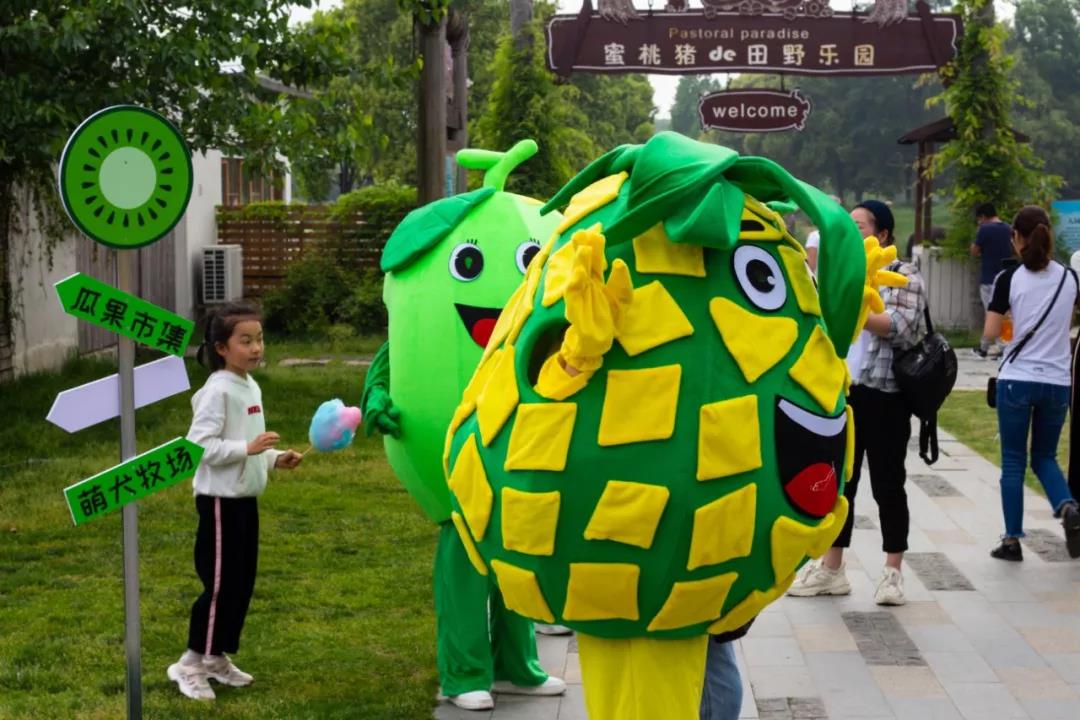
222	273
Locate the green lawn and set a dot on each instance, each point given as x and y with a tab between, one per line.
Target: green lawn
966	416
341	623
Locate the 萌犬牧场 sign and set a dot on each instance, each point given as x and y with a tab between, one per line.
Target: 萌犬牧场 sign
699	41
754	110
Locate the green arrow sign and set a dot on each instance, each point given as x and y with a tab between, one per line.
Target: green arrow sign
90	299
133	480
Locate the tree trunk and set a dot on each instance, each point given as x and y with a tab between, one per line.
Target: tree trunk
431	140
521	14
7	190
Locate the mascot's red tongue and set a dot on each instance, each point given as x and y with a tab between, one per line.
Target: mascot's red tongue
481	331
814	489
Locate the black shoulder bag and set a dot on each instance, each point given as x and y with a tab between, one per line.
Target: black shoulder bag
991	384
925	374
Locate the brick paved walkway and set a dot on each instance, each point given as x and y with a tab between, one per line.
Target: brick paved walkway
979	639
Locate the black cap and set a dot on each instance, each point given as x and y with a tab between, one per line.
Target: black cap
883	217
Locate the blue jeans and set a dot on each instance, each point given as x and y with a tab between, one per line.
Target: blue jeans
722	697
1042	407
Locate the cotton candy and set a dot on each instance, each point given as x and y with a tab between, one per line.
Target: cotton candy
333	426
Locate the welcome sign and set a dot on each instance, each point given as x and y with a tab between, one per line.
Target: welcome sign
754	110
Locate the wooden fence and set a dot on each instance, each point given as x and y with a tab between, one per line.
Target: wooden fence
271	244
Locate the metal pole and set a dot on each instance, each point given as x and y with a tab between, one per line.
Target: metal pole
126	268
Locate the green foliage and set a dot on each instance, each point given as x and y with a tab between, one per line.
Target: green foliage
363	310
360	125
319	292
427	12
573	122
849	143
525	102
987	161
389	197
197	62
361	604
383	207
684	111
618	109
1046	44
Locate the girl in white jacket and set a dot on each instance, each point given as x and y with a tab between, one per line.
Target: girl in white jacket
229	424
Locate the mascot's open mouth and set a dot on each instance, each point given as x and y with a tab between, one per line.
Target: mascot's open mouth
479	322
810	453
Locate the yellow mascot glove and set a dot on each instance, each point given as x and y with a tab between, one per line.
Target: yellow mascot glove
877	258
595	311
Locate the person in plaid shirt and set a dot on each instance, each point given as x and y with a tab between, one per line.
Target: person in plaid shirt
882	423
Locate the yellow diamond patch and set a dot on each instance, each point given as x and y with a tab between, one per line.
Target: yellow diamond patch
767	231
470	546
757	343
801	281
693	602
559	269
820	371
540	438
654	318
594	197
849	449
729	439
639	405
749	608
723	529
655	253
792	540
529	521
602	591
469	483
521	592
499	396
628	512
502	325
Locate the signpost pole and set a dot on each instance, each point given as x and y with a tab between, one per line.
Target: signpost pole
126	280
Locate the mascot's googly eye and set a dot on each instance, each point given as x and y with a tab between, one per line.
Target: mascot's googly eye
760	278
524	254
466	262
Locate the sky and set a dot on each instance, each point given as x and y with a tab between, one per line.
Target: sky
663	85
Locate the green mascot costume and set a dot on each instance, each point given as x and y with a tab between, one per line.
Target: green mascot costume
450	268
657	437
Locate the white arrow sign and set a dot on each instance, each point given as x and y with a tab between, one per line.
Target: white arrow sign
98	401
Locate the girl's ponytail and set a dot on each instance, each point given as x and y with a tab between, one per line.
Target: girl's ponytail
1032	224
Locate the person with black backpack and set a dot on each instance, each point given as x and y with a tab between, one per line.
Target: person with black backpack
882	423
1032	387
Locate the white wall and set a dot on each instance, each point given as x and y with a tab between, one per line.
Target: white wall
43	334
197	229
952	289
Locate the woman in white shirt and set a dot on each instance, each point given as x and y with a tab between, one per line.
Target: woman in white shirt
1034	379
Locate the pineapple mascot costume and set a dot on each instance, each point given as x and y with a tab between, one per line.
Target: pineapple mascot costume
656	438
450	267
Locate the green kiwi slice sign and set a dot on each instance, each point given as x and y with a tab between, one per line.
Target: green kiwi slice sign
125	176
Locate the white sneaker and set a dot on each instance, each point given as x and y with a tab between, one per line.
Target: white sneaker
221	668
191	679
475	700
551	686
890	588
816	579
545	629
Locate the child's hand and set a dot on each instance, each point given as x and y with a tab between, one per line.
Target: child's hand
263	442
288	460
